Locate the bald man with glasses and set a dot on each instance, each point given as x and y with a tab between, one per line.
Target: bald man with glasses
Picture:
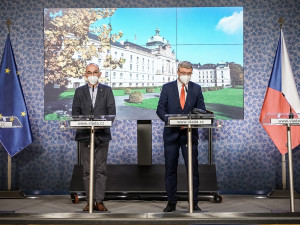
94	99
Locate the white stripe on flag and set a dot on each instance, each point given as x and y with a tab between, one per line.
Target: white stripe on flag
287	78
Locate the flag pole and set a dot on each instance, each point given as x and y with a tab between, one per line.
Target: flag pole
9	193
8	24
281	22
8	172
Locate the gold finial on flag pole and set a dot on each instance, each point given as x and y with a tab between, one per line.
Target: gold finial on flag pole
281	22
8	24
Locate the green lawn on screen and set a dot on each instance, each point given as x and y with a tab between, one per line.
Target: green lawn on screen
226	96
67	94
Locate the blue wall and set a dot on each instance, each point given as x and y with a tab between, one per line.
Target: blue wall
245	157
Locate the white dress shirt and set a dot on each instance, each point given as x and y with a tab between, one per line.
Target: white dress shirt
179	85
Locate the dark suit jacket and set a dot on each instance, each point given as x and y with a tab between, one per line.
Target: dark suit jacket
169	103
104	105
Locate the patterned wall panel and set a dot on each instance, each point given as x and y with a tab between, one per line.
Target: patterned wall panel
245	157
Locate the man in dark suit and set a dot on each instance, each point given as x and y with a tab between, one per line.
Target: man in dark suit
179	97
94	99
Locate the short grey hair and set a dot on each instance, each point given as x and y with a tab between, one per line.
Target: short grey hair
185	64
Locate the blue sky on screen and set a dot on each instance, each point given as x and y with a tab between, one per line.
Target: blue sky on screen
200	34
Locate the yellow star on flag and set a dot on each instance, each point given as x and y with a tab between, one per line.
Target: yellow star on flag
17	72
11	119
7	70
23	114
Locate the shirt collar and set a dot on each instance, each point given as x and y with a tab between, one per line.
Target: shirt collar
179	84
94	87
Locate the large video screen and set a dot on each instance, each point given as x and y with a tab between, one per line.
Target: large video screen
138	50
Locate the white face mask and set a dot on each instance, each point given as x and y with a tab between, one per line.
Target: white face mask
185	79
92	80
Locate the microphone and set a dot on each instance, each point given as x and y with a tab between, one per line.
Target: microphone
291	115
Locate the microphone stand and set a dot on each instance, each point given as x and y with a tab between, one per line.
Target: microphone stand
92	156
290	157
190	160
190	111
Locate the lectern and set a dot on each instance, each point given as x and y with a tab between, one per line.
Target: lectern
288	120
90	122
190	121
10	122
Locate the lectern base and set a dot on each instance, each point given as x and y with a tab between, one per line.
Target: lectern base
282	194
130	182
11	194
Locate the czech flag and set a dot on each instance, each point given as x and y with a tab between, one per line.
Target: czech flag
281	97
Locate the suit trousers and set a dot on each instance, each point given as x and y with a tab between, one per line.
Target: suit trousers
101	151
171	153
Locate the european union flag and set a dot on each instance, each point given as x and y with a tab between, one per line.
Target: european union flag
12	103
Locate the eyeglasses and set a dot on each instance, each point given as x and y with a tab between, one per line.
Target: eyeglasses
184	73
92	73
